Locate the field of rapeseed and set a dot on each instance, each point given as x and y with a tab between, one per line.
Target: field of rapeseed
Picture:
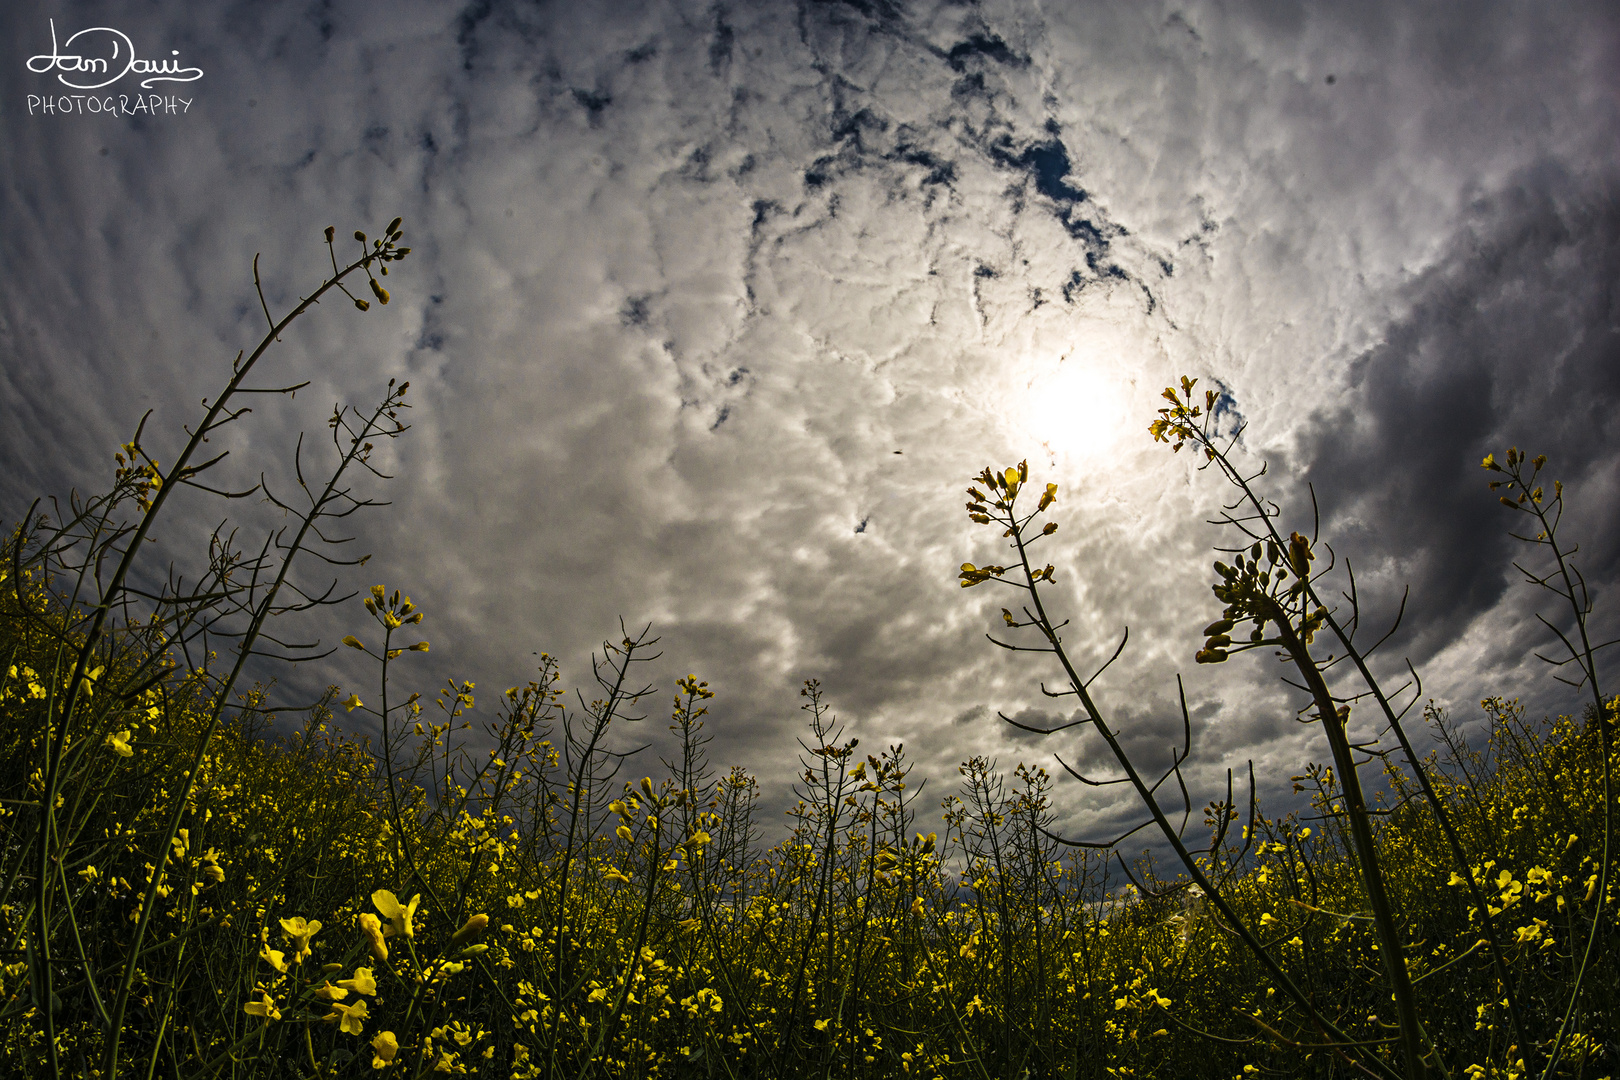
477	886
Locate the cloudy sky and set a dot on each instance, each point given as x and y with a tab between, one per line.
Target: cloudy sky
715	309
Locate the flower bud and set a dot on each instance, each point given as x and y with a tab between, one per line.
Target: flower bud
331	231
362	305
360	236
392	225
382	293
472	926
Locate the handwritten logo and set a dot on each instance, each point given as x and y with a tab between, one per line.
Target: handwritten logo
119	62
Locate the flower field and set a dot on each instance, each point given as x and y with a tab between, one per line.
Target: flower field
474	882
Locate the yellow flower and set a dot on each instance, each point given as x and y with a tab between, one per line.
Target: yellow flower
399	915
331	993
361	983
615	874
299	931
384	1046
89	873
821	1025
371	926
353	702
265	1008
353	642
275	958
119	744
349	1017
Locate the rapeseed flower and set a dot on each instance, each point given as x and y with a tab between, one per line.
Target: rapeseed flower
265	1007
399	915
275	958
384	1047
362	982
371	926
350	1018
299	931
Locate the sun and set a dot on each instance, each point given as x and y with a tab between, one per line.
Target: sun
1076	409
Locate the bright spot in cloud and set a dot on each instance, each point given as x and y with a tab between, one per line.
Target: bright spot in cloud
1076	408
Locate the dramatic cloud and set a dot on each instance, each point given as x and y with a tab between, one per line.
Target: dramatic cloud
715	309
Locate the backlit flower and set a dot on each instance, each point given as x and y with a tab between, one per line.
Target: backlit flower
399	915
384	1047
299	931
349	1017
361	983
266	1007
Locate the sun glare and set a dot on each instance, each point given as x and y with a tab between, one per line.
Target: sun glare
1076	410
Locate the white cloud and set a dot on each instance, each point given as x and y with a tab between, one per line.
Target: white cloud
687	277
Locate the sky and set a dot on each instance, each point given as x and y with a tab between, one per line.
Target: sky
714	310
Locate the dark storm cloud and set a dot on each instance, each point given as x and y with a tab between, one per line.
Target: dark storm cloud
1513	338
